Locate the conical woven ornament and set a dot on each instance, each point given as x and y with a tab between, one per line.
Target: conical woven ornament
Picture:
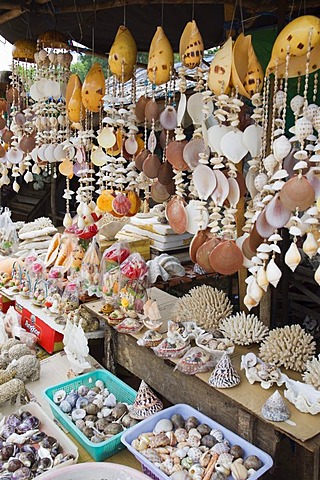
224	375
275	409
146	403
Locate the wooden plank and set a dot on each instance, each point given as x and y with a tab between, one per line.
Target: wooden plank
313	296
247	425
307	464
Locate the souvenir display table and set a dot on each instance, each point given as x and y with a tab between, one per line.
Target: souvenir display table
238	408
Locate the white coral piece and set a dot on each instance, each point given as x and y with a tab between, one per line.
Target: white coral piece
243	329
205	305
289	346
311	374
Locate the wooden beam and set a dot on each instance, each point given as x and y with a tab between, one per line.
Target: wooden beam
14	4
10	15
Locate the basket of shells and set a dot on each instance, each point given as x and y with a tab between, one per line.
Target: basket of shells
93	407
182	443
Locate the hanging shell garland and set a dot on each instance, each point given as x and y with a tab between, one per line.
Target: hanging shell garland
205	305
160	62
311	375
243	329
123	55
289	346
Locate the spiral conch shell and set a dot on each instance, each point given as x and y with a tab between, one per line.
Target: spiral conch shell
123	55
160	60
75	109
191	45
292	257
310	245
246	71
220	69
296	36
93	88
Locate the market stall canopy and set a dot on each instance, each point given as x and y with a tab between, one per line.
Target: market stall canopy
94	23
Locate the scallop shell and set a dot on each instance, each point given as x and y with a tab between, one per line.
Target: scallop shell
204	181
222	189
165	173
252	139
198	217
233	147
200	237
191	46
140	158
151	110
14	155
240	241
204	253
106	138
273	273
191	152
168	118
174	154
292	257
215	134
27	143
276	214
140	108
196	110
177	215
263	227
159	192
121	204
228	258
151	165
297	193
281	147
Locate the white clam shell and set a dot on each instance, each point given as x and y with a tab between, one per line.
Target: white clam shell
232	146
252	139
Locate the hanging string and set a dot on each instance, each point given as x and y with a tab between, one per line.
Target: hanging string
78	20
192	15
162	12
124	13
241	16
233	15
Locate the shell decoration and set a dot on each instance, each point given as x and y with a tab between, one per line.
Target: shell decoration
220	69
311	375
191	46
123	55
296	35
275	408
75	109
289	346
24	50
243	329
160	62
93	88
253	81
205	305
239	66
292	257
146	403
224	375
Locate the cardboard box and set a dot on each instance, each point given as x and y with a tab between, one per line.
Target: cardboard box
5	303
48	338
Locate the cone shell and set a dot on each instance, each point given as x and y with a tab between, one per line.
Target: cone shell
204	253
24	50
123	55
296	35
177	215
228	258
146	403
93	88
197	241
297	192
191	46
174	154
224	375
275	408
220	69
160	61
75	108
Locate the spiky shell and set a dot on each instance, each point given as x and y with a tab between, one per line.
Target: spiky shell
123	55
243	329
311	375
289	346
205	305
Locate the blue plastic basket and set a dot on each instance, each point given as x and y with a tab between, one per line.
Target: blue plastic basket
186	411
123	393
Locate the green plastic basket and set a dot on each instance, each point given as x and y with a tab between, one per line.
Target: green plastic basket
123	393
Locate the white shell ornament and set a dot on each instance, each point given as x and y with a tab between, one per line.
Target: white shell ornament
292	257
252	139
233	147
204	181
273	273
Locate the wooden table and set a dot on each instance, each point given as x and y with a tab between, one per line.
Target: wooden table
221	405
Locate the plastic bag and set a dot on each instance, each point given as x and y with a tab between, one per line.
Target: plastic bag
129	325
11	321
70	296
195	361
55	280
3	333
9	241
90	270
133	281
40	293
110	270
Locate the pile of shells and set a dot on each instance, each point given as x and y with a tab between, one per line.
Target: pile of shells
95	411
25	450
186	448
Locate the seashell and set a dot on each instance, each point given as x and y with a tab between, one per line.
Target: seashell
238	470
281	148
262	279
273	273
160	61
151	455
146	403
106	138
225	459
27	143
198	217
232	146
252	139
93	88
296	104
220	69
220	448
151	165
215	134
303	128
151	110
219	467
98	157
204	181
276	214
263	227
163	425
191	46
192	150
310	245
14	156
123	55
194	454
297	193
234	192
292	257
165	173
78	414
270	163
260	181
223	376
228	258
252	461
65	406
218	435
196	110
222	190
174	154
181	434
236	451
159	192
140	108
168	118
140	158
59	396
177	215
204	253
275	408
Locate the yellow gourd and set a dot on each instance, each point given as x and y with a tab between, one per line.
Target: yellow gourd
160	60
123	55
75	109
220	69
93	88
295	36
191	46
